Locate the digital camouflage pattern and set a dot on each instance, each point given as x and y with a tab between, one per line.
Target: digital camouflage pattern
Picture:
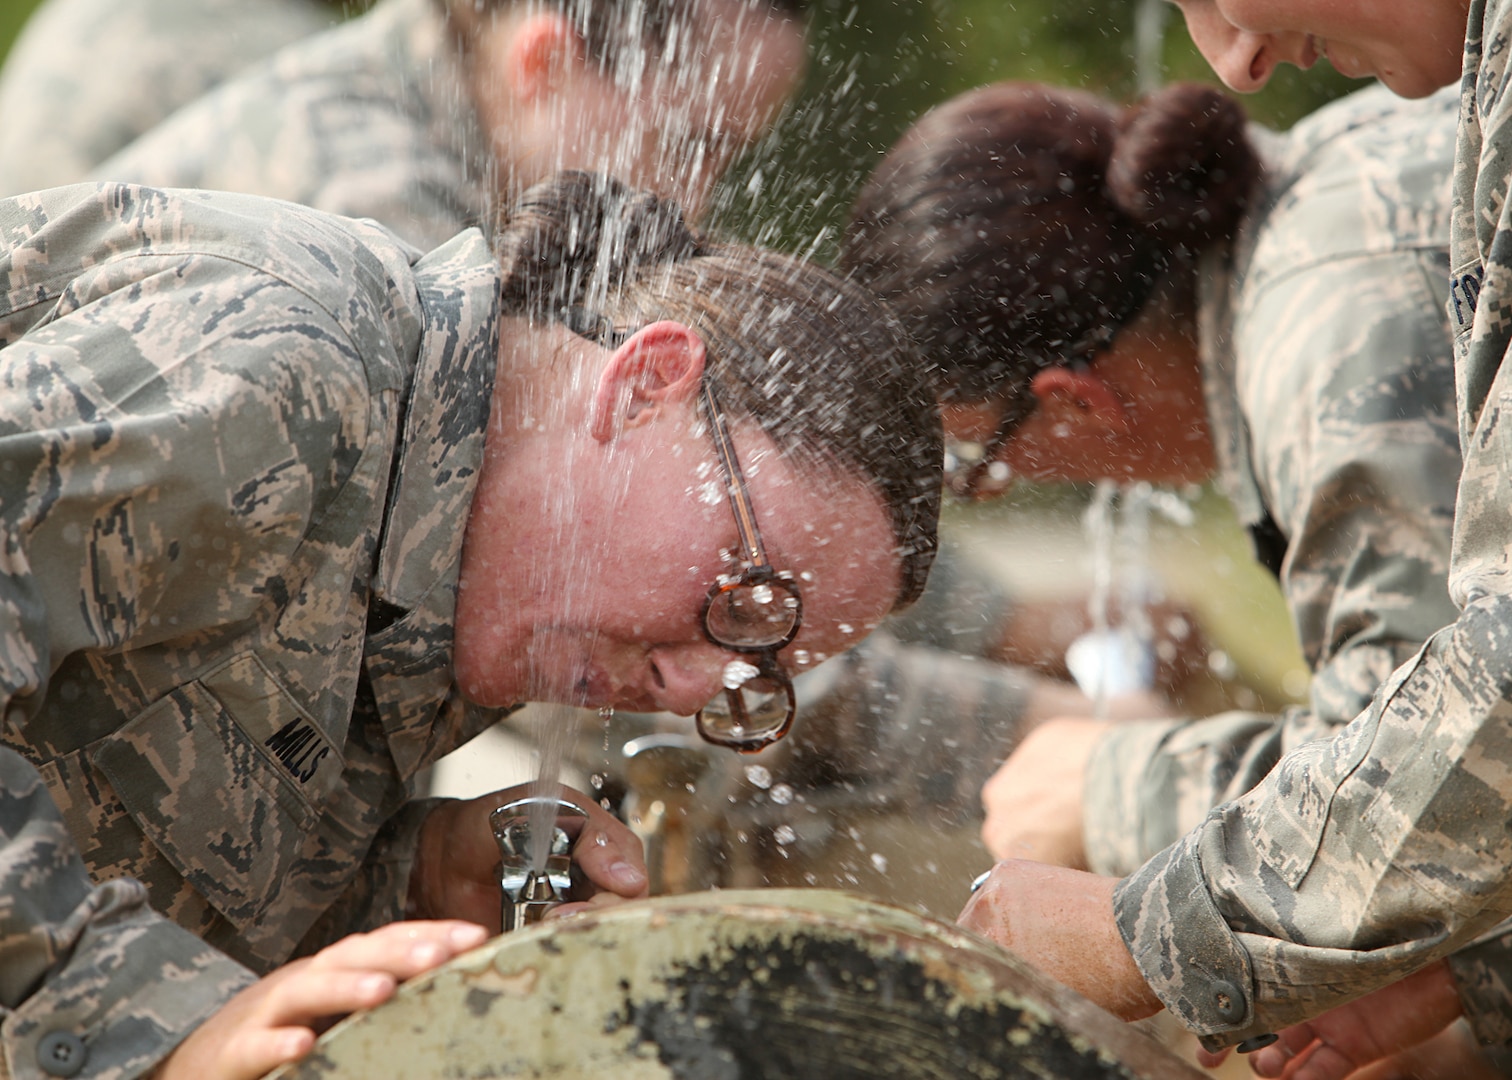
203	491
1362	857
86	77
370	119
89	961
1329	374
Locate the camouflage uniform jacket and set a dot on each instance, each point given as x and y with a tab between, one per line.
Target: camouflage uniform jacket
1360	858
86	77
370	119
90	976
228	579
1330	380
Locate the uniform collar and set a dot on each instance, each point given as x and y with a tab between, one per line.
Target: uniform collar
409	663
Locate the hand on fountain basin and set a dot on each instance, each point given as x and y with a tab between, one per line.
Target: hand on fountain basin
456	871
1061	922
274	1021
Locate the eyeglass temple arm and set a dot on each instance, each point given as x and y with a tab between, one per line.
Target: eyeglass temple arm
735	485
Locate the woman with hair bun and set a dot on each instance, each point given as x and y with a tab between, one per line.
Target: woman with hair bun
1162	293
290	511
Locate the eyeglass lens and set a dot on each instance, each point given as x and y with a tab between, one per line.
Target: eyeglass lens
748	615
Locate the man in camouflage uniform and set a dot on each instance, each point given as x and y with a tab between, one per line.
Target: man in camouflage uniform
86	77
420	115
240	745
383	118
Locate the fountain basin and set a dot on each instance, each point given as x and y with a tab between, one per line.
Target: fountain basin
738	985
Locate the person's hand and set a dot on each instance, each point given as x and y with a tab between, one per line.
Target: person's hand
456	873
1034	800
1377	1026
274	1021
1061	922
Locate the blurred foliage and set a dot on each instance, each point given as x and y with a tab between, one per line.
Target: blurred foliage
878	64
13	13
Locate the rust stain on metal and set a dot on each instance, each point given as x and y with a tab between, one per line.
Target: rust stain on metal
513	984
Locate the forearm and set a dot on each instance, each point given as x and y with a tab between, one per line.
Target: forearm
1358	860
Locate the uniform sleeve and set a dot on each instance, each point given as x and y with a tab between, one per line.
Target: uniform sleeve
60	87
1349	401
1361	858
88	972
344	141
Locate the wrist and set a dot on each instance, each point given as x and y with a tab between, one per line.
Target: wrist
425	872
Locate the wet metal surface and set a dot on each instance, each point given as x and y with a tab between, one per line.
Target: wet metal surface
738	986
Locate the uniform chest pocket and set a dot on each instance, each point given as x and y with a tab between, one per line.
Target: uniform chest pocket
225	776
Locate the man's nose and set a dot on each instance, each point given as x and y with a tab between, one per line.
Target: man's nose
684	679
1242	59
1247	62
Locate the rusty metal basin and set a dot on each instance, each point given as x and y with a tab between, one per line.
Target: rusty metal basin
753	985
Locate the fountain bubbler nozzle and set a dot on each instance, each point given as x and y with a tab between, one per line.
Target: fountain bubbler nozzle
531	891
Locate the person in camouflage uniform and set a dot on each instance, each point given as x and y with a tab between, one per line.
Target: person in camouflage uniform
1337	448
86	77
1371	854
238	613
424	115
385	118
1327	376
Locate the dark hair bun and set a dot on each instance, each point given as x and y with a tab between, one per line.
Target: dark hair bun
571	236
1183	166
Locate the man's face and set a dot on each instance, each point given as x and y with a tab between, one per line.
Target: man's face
595	600
676	125
1413	46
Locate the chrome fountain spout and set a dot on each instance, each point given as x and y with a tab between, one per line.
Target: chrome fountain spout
530	891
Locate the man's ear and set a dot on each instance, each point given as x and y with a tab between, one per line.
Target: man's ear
660	365
542	52
1079	398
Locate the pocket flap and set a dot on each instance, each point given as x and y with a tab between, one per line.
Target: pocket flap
224	775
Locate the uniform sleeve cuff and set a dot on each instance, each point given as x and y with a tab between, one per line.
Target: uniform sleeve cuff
1164	912
131	989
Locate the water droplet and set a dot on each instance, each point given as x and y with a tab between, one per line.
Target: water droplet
847	628
759	775
784	834
761	594
782	794
739	672
880	862
600	840
596	781
801	657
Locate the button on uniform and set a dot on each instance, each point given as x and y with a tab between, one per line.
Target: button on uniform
1228	1001
62	1053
